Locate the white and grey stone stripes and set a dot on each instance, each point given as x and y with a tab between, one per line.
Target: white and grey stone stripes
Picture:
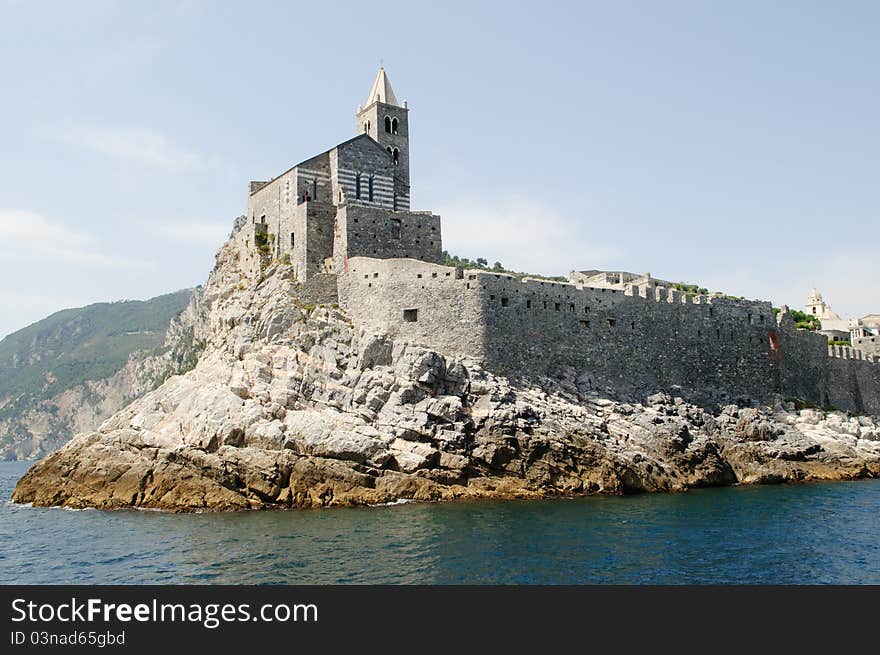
383	187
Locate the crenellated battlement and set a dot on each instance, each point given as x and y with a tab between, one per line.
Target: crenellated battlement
344	215
626	340
846	352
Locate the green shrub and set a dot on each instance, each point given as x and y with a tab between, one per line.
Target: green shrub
804	321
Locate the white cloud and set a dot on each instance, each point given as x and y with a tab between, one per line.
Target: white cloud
523	235
208	234
29	237
846	277
133	144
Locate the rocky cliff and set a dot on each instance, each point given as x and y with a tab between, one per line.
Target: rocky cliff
67	373
294	406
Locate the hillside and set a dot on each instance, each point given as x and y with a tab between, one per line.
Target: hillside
57	375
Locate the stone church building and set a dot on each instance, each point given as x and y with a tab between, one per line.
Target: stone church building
352	200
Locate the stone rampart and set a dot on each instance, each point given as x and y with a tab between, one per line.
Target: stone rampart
634	343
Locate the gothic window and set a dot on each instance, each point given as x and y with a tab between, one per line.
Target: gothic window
388	124
393	126
395	155
388	149
370	188
357	186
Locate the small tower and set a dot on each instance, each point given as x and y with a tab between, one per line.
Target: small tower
385	120
816	306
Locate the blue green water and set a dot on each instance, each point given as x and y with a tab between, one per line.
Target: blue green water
815	533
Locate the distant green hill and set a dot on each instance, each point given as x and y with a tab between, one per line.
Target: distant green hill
54	357
86	343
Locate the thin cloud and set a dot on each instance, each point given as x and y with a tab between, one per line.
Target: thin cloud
523	235
29	237
199	233
133	144
842	275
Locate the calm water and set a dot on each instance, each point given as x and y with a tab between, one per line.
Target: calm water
817	533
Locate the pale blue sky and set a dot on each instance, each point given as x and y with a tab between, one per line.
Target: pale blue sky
732	144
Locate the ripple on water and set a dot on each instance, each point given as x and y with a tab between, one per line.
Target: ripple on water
819	533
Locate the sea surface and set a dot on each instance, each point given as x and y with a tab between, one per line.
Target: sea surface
810	533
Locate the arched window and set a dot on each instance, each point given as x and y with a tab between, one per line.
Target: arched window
357	186
388	124
393	126
388	148
370	191
395	155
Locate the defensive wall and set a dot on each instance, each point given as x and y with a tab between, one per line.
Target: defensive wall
363	231
634	342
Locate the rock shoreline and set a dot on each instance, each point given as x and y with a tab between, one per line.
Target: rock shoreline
293	406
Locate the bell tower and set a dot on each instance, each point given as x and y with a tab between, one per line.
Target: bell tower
385	120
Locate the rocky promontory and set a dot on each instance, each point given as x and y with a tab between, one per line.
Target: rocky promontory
291	405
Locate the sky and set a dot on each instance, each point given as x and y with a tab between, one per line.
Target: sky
733	145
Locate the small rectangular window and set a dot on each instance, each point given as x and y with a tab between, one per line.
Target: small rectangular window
528	304
585	323
410	315
571	307
556	306
611	322
504	302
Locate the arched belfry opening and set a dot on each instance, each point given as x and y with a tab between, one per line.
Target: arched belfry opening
388	124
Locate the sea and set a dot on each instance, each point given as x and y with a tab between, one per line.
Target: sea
817	533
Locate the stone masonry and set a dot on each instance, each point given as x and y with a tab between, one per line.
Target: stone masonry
343	219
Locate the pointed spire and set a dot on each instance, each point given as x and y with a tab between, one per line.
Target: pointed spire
381	90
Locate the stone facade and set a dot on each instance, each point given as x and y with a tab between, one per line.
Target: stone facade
343	218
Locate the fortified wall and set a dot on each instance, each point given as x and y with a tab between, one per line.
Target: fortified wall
633	343
343	219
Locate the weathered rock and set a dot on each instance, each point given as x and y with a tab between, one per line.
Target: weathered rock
292	406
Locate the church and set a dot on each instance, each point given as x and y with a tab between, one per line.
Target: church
352	200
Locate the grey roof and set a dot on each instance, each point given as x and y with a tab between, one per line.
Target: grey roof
382	91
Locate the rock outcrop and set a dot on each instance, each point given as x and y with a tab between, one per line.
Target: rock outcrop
294	406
